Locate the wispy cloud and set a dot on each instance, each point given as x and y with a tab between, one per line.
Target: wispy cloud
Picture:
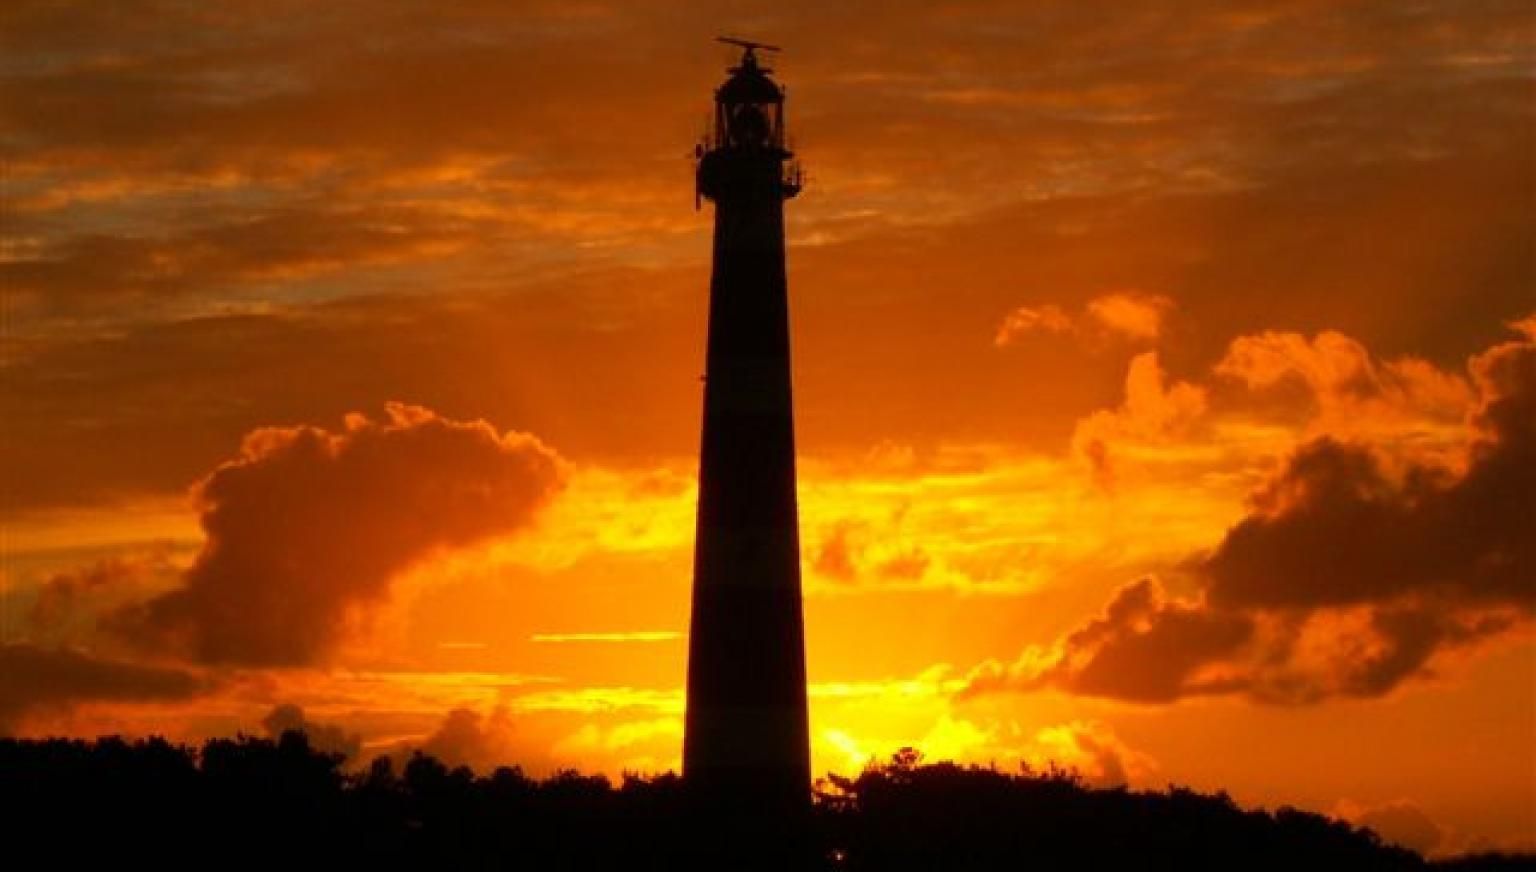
630	636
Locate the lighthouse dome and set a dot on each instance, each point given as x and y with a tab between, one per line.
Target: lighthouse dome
748	86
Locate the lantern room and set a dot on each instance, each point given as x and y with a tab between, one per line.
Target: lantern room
749	107
743	152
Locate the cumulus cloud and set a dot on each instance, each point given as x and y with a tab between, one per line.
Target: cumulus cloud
1346	577
468	738
1400	822
328	738
1408	823
1349	390
34	678
307	526
1132	315
1465	539
1154	412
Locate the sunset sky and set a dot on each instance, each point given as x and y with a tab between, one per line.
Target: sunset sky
1165	380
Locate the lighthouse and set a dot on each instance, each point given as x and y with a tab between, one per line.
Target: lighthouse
746	745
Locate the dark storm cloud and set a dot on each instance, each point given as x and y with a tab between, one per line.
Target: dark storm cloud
34	678
307	526
1149	647
1344	580
67	601
1466	539
1144	648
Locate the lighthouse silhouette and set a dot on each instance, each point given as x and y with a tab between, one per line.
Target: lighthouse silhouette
746	745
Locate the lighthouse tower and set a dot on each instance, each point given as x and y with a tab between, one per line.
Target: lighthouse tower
746	747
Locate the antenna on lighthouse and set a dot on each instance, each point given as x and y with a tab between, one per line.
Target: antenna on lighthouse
747	44
749	53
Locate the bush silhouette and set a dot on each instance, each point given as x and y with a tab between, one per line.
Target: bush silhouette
257	803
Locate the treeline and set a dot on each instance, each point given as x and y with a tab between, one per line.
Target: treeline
258	803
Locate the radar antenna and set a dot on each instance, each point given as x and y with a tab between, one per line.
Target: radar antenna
747	44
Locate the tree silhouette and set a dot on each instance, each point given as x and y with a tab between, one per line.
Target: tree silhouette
251	802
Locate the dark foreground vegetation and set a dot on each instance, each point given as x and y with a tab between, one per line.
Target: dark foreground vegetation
258	803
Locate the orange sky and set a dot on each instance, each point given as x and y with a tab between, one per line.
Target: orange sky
1166	384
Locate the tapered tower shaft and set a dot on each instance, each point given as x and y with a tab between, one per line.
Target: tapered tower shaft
746	743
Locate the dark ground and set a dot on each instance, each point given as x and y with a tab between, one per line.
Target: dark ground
254	803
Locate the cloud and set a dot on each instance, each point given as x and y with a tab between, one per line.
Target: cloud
854	550
1131	315
1407	823
1350	392
281	245
465	737
168	177
1150	648
307	527
468	738
1145	647
1093	750
1420	531
1400	822
1088	747
33	678
328	738
1048	318
623	636
1345	578
835	555
1154	412
651	745
547	357
78	595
